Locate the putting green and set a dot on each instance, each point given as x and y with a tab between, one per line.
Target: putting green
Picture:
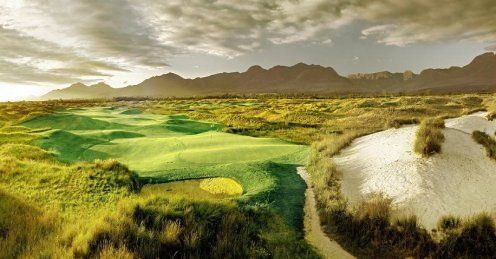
164	148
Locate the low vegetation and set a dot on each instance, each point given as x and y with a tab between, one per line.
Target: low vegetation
429	137
487	141
50	208
163	227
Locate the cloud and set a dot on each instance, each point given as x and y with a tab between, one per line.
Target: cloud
94	38
406	22
25	59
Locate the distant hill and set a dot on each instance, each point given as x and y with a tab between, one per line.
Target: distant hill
478	76
82	91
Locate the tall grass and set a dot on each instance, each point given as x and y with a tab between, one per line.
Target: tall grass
487	141
474	238
429	137
160	227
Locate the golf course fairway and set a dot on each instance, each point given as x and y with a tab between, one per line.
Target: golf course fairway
165	148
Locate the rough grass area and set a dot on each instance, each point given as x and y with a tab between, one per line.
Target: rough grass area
23	227
429	137
159	227
487	141
221	185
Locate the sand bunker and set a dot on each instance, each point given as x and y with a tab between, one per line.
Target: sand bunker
459	181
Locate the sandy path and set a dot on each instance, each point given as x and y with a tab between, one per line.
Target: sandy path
313	231
459	181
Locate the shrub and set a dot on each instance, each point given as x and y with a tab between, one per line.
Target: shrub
477	238
448	223
491	115
397	123
487	141
113	174
472	100
429	137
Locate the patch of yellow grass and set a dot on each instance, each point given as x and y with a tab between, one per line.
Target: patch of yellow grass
221	186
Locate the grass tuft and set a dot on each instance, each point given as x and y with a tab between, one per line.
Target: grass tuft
429	137
448	222
487	141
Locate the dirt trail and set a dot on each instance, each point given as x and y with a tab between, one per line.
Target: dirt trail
313	231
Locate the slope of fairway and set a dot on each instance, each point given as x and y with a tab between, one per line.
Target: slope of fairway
168	148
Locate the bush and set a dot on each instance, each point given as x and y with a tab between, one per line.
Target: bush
397	123
113	174
448	222
472	100
486	141
476	239
429	137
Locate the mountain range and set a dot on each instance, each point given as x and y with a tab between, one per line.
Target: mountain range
478	76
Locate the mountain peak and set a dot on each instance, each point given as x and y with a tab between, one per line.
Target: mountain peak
255	68
478	76
77	85
301	64
100	85
483	59
171	75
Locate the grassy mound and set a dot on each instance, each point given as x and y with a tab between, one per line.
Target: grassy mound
132	112
221	186
68	121
429	137
184	125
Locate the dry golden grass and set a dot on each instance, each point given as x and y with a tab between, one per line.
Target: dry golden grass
429	137
487	141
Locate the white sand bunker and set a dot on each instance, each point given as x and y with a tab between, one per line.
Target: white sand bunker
460	181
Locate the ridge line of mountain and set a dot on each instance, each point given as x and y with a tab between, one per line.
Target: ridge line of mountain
477	76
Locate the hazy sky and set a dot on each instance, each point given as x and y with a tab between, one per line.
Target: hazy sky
50	44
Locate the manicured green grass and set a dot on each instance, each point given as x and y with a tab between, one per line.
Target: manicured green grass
164	148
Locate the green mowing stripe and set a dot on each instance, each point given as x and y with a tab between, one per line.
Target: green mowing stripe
164	148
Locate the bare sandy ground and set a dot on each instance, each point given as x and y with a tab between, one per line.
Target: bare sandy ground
313	231
460	181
